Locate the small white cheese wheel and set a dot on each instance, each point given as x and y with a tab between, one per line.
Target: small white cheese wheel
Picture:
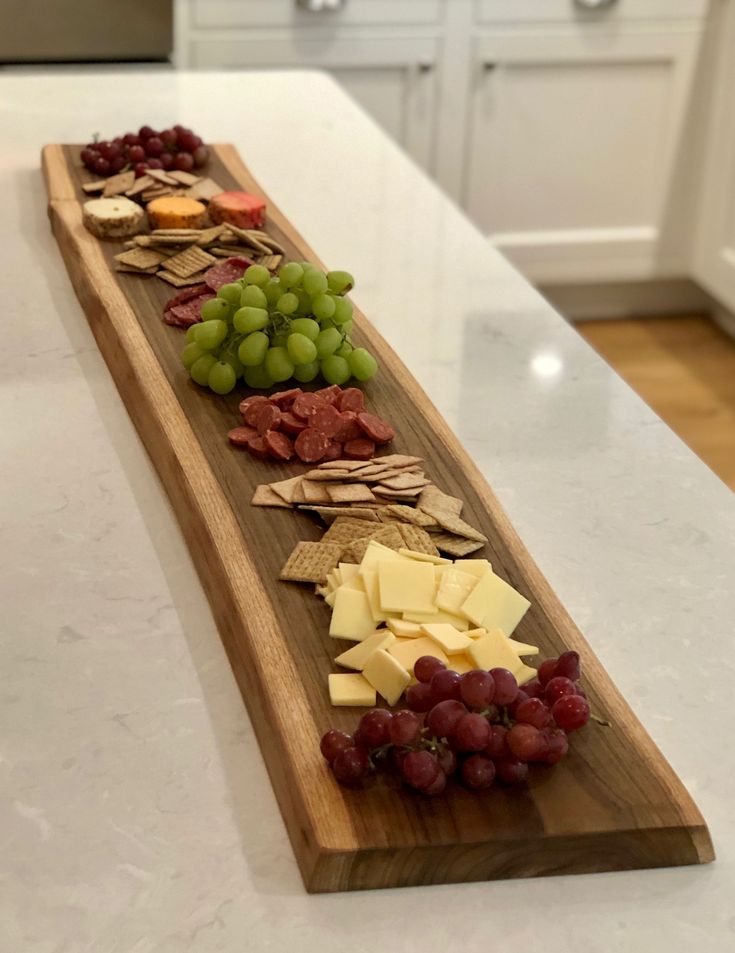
112	218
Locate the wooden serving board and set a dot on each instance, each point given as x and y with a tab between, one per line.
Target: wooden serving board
614	803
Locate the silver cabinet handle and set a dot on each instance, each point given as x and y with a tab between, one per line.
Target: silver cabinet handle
425	66
321	6
594	4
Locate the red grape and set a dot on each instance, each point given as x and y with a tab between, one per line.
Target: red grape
471	733
333	742
497	746
404	728
420	768
547	670
102	166
201	154
145	132
534	689
437	786
374	728
154	146
579	690
521	697
425	667
447	761
154	163
419	697
169	137
103	148
558	746
477	689
351	765
118	163
184	162
558	687
506	686
179	128
571	712
136	153
188	142
525	742
511	771
568	665
445	684
443	717
478	772
167	160
140	168
130	139
534	712
88	155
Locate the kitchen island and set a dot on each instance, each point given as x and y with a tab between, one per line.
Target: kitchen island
138	814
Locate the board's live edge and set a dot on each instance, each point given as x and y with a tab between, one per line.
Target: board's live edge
613	804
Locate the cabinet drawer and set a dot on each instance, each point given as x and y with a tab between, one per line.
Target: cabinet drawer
222	14
570	11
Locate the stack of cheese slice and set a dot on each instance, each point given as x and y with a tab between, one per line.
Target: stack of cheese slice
398	606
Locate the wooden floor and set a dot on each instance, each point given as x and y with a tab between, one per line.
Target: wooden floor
684	368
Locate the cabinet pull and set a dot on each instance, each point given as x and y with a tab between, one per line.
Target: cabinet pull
321	6
488	66
425	67
594	4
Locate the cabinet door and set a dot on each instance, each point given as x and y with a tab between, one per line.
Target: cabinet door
393	79
571	150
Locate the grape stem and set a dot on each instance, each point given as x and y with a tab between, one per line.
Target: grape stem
600	721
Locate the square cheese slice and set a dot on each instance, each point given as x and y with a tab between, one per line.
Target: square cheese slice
351	617
347	571
376	553
461	664
387	676
477	567
494	651
454	588
407	586
450	639
493	604
403	629
357	656
475	633
370	581
351	690
438	615
525	674
521	648
408	650
424	557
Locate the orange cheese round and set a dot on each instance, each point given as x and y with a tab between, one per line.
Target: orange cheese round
176	212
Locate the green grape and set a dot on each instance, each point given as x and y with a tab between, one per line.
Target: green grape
256	275
234	361
250	319
200	369
280	339
230	293
304	307
314	283
346	328
342	310
340	281
335	370
192	352
327	342
210	334
273	291
300	349
215	308
222	378
305	326
191	332
287	303
323	306
362	364
306	372
344	350
257	377
253	349
291	274
253	297
278	365
326	323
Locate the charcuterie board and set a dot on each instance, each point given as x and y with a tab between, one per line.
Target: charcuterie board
614	803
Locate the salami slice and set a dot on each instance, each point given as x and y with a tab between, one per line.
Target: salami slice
329	394
193	291
259	448
266	417
352	399
291	424
376	429
231	269
251	413
359	449
190	312
284	398
241	436
333	451
249	401
310	445
279	445
349	429
326	420
306	405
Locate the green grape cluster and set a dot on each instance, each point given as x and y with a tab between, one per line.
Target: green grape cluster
266	330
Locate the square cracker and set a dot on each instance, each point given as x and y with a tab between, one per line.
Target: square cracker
417	539
405	481
330	513
388	535
189	262
349	493
408	514
433	500
310	562
347	529
286	489
458	527
313	492
455	545
204	190
117	184
140	258
344	465
208	235
265	496
178	282
185	178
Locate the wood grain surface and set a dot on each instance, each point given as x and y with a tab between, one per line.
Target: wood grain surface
613	804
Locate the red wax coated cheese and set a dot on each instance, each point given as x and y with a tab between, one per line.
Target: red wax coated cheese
237	208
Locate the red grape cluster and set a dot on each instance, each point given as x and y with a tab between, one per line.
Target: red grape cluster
175	148
480	726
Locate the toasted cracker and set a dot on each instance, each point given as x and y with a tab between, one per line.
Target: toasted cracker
310	562
405	481
433	499
177	282
140	185
344	465
330	513
157	193
141	258
286	489
207	235
185	178
417	539
204	190
458	527
348	529
160	175
127	269
326	476
225	252
455	545
189	262
387	535
118	184
398	460
265	496
184	233
349	493
249	237
410	515
387	494
265	239
313	492
91	187
271	262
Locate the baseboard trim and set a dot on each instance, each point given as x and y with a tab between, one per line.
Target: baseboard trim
586	302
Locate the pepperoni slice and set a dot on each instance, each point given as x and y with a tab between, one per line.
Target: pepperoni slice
311	445
267	417
241	436
326	420
250	415
333	451
193	291
249	401
284	398
359	449
352	399
225	272
349	429
291	424
259	448
279	445
375	428
306	405
329	394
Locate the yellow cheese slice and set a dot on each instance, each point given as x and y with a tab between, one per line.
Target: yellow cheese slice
387	676
424	557
347	571
356	656
461	664
408	650
525	674
351	618
493	650
438	615
454	588
330	597
403	629
408	586
351	690
370	581
450	639
376	553
493	604
354	583
478	567
476	633
521	648
333	580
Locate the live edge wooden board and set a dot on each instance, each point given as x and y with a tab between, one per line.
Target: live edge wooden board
613	804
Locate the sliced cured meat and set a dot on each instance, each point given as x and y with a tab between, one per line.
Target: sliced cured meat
284	398
310	445
229	270
193	291
241	436
249	401
292	424
333	451
251	412
266	417
259	448
279	445
352	399
359	449
190	312
349	429
376	429
326	420
306	405
329	394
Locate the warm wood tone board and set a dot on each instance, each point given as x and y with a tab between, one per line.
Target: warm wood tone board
613	804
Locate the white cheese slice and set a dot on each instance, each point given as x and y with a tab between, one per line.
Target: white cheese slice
387	676
330	597
403	629
406	587
461	664
454	588
525	674
357	656
351	690
408	650
493	604
370	580
351	618
478	567
424	557
475	633
438	615
376	553
347	571
521	648
450	639
493	650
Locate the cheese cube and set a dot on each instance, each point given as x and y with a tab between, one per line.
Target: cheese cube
408	650
477	567
351	690
351	618
521	648
356	656
387	676
493	650
406	587
450	639
454	588
438	615
461	664
403	629
423	557
493	604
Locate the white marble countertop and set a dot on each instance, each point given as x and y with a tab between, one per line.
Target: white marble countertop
135	811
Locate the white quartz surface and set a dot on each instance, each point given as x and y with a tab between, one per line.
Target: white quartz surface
135	812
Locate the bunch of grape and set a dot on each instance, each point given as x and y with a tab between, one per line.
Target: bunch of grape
479	726
176	148
267	330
